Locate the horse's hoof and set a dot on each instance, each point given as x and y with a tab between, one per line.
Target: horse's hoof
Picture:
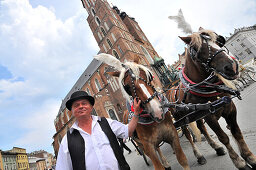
220	151
201	160
246	168
169	168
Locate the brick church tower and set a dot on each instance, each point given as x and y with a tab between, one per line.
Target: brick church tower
120	35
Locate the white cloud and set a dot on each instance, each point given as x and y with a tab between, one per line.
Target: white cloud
39	126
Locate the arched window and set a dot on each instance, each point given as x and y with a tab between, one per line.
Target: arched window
116	54
93	12
113	15
100	37
109	43
147	55
103	31
97	84
112	114
133	49
106	25
120	49
88	91
97	20
105	48
113	36
88	3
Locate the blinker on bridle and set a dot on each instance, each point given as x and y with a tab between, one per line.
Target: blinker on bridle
133	78
210	58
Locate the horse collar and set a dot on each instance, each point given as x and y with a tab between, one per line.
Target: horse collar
202	89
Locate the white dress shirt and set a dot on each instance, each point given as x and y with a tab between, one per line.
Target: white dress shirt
98	152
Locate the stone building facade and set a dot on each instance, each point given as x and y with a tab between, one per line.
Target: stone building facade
242	43
117	34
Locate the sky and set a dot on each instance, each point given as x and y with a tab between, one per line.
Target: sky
46	45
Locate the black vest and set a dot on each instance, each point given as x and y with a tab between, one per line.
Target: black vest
76	147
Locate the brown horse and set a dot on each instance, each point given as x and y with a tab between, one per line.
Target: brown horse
136	80
207	67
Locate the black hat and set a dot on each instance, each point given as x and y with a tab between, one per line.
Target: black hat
79	95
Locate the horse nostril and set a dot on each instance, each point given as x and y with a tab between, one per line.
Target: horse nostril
228	70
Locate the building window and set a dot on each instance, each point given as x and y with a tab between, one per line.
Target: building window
93	12
113	36
144	38
97	84
242	44
238	40
128	46
106	26
88	3
105	48
248	51
119	48
116	54
240	54
97	20
113	15
109	43
88	91
147	55
112	114
103	31
133	49
100	37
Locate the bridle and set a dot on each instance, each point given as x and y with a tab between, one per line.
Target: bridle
133	79
211	56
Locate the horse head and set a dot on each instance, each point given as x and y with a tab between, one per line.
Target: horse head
208	53
135	80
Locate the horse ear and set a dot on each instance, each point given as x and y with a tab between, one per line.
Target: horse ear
114	74
136	59
187	40
200	29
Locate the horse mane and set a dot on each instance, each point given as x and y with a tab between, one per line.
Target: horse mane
197	40
136	71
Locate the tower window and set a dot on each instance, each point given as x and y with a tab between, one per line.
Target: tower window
113	36
119	48
116	54
93	12
97	84
109	43
105	48
147	55
103	31
88	91
106	25
100	37
97	20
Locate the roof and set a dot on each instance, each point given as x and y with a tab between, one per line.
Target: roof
89	71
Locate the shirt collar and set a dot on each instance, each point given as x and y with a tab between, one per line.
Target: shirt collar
75	125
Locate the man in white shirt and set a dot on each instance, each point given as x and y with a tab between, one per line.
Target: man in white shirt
98	152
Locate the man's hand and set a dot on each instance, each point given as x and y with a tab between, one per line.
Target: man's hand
136	106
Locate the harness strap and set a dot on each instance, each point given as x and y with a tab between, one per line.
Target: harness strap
76	149
114	144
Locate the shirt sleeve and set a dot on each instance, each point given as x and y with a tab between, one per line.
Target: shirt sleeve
119	129
63	159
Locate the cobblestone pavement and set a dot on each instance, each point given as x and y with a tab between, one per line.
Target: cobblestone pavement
247	121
